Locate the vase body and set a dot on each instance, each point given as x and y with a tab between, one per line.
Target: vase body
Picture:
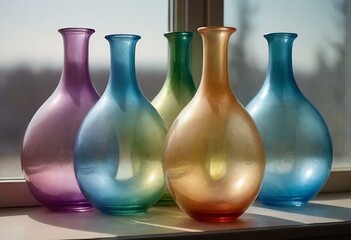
178	88
47	151
118	153
214	156
297	141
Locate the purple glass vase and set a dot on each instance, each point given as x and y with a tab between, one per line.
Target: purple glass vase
47	152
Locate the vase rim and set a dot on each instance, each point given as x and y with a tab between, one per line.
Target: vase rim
216	28
282	34
179	33
76	29
122	35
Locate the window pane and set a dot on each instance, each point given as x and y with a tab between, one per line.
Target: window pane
321	57
31	56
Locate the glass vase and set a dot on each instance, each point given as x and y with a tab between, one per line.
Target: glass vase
297	142
214	156
47	152
118	153
178	88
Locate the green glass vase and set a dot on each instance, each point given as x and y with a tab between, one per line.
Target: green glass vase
178	88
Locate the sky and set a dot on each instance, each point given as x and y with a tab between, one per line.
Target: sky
29	29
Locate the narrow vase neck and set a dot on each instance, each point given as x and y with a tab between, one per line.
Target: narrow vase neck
122	73
280	71
179	58
215	59
76	64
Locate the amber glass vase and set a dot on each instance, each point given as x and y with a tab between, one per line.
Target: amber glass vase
214	155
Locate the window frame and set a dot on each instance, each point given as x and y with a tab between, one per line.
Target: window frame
184	15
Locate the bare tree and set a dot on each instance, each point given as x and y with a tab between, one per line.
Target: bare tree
246	77
329	87
346	71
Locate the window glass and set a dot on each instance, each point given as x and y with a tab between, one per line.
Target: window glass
31	56
321	56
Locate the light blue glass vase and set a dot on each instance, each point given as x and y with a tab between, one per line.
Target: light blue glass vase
297	141
118	153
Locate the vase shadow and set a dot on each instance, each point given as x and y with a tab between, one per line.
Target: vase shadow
157	220
315	210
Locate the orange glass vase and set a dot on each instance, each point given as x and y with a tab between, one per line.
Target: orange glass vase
214	156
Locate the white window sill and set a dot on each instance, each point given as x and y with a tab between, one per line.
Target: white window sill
326	217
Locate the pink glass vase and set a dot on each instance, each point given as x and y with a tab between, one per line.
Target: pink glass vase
47	152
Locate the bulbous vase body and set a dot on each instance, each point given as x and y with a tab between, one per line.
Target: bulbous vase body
178	88
47	152
214	156
297	141
118	154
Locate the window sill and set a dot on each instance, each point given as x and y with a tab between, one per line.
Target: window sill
15	193
326	217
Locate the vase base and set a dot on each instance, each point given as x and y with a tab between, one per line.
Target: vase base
81	207
219	217
166	201
284	202
123	211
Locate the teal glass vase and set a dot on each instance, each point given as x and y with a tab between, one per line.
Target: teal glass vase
178	88
118	152
297	141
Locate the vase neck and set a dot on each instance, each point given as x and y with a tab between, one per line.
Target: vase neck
179	59
215	59
280	71
76	65
122	72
